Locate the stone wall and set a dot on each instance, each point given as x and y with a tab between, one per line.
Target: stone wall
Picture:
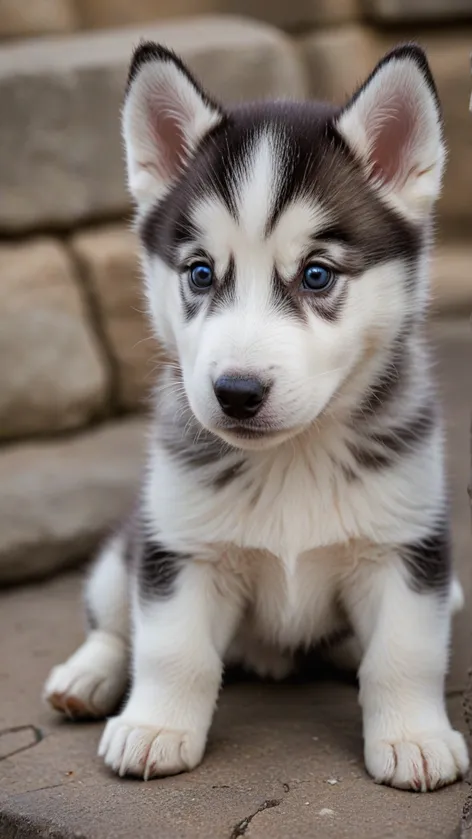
77	358
24	18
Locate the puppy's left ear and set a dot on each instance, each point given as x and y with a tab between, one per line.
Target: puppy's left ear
393	125
165	116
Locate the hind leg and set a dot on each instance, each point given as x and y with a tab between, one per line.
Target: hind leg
93	680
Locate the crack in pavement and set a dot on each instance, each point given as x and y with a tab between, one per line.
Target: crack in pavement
38	736
242	826
39	789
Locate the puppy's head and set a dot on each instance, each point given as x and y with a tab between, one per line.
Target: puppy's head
281	242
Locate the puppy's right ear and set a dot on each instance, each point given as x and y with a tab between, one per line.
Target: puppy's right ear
165	116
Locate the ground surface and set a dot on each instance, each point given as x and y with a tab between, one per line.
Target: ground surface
284	762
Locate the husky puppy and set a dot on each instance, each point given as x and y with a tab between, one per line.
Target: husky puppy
295	488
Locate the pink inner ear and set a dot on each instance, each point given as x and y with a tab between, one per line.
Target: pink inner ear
169	138
394	131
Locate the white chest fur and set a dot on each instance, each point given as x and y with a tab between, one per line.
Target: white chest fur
294	502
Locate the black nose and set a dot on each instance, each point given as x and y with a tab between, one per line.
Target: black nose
240	397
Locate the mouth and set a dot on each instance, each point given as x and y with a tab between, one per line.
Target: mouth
250	433
250	437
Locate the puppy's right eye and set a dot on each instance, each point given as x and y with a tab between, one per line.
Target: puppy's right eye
200	276
317	277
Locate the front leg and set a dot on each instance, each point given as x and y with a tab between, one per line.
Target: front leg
403	624
181	631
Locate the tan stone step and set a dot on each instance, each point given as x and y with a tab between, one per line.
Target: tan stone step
451	275
62	157
58	498
108	263
403	11
24	18
53	375
297	13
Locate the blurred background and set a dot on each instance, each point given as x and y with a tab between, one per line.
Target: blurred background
76	358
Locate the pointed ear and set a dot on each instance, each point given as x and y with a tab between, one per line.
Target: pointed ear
393	125
165	116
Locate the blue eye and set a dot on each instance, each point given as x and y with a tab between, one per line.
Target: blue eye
317	277
201	276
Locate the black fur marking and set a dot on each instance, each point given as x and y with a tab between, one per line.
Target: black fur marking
349	259
328	306
386	385
334	233
296	125
290	299
348	473
183	437
92	622
429	561
191	308
228	474
286	299
191	303
400	440
167	226
317	165
218	173
225	291
381	449
194	449
158	569
368	459
199	452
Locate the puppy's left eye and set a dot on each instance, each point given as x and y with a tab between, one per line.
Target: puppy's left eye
317	277
200	276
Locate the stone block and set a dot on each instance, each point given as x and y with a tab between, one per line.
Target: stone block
20	18
103	13
100	13
58	499
451	275
60	101
108	262
406	11
301	15
449	56
337	60
53	375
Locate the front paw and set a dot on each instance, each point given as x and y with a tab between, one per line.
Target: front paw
132	748
422	763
